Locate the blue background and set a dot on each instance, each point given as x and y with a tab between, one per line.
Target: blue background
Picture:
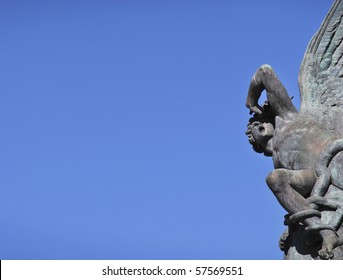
123	124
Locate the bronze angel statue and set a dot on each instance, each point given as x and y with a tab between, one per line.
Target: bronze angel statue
306	145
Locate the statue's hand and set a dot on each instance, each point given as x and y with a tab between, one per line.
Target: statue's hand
255	109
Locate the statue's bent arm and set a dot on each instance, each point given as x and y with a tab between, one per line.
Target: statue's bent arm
278	98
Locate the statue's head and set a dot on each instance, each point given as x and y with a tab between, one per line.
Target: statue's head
260	131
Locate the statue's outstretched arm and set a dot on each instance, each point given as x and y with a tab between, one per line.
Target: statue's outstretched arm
278	98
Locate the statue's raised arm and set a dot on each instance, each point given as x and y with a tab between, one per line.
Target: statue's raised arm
306	146
278	98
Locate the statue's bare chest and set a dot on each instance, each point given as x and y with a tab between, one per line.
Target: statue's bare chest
298	144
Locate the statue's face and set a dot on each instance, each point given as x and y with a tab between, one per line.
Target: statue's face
262	133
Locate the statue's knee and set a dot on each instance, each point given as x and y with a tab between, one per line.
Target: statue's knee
272	178
277	179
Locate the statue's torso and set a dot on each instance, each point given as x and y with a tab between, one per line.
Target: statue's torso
298	143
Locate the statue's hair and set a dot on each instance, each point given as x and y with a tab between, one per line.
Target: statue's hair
266	116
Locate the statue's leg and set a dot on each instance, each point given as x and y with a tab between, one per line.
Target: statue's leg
290	187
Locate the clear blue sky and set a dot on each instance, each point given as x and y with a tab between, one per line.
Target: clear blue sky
122	126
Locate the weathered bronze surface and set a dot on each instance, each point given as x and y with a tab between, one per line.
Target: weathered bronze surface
306	145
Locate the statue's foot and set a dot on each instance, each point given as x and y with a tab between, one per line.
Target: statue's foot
330	242
325	255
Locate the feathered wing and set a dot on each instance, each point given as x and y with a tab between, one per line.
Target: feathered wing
321	73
